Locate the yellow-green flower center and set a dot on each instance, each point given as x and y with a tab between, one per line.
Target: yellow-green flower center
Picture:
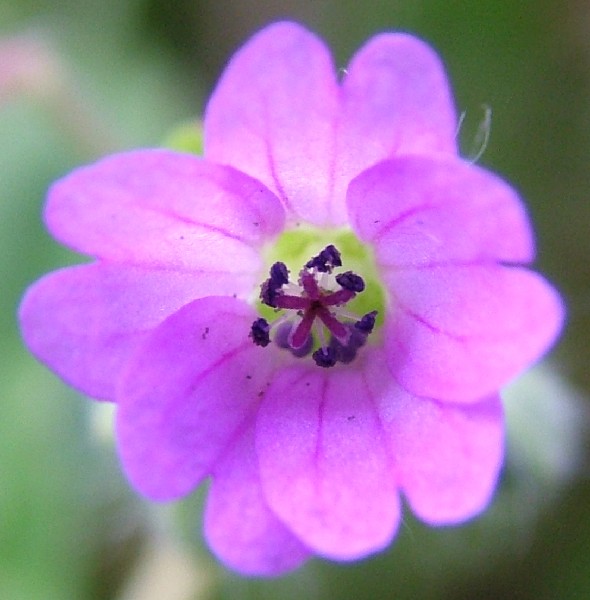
295	247
310	305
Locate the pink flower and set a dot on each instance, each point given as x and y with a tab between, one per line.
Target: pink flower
356	383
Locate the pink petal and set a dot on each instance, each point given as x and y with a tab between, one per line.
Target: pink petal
396	100
83	322
423	211
323	463
239	526
460	333
163	209
447	456
186	393
271	116
278	114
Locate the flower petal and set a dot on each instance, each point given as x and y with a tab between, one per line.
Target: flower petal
395	100
447	456
84	322
164	209
323	462
186	393
460	333
239	526
278	114
422	211
272	114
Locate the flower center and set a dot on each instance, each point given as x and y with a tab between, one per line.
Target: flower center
313	314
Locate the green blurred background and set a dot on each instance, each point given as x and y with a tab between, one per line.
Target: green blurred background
82	78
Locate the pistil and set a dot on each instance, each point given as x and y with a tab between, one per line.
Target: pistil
311	307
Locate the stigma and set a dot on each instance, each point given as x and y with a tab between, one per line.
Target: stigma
311	314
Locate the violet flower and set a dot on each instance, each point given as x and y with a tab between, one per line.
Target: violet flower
318	314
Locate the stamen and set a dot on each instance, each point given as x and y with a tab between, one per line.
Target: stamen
367	322
260	332
346	353
269	293
270	289
317	311
324	357
350	281
326	260
279	274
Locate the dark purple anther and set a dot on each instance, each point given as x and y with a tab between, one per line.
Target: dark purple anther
269	293
367	322
351	281
331	256
279	274
346	353
324	357
326	260
259	332
270	290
